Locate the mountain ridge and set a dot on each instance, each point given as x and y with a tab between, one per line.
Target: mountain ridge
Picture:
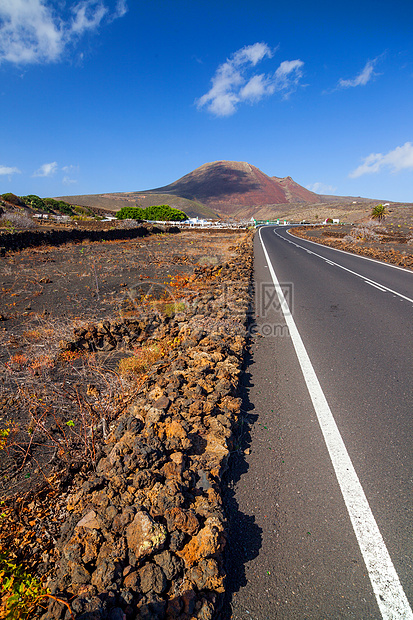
221	189
225	186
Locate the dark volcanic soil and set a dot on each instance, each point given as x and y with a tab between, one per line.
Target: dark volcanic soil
47	292
161	372
89	280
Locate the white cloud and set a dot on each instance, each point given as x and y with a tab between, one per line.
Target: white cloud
49	169
9	170
121	9
233	83
288	75
321	188
362	78
70	168
68	181
87	15
34	31
46	170
256	88
251	53
401	158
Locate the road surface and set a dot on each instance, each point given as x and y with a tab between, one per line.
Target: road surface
321	513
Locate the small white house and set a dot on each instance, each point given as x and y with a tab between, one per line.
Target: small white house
196	221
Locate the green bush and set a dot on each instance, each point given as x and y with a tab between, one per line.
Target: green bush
35	202
83	211
159	213
379	213
82	218
20	591
164	213
13	199
59	205
130	213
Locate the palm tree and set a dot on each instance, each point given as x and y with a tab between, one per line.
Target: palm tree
379	213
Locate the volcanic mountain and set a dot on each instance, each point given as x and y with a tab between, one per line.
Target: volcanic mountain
228	187
225	189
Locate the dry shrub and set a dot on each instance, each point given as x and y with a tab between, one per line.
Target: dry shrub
32	335
41	364
141	361
17	362
127	224
68	357
168	309
17	221
363	232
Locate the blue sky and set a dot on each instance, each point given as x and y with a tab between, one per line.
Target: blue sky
123	95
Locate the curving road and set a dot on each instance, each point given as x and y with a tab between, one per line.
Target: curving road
324	526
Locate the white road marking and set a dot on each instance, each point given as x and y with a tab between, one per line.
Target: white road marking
383	290
367	280
390	596
373	260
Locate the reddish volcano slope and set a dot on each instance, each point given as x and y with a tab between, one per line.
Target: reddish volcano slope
295	192
226	186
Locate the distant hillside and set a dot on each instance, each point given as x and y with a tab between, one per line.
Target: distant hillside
295	192
226	189
113	202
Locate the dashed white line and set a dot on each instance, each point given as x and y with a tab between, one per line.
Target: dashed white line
372	260
390	596
358	275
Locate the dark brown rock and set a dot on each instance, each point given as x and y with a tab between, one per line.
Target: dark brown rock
152	579
206	575
106	574
170	564
121	520
132	581
162	403
177	541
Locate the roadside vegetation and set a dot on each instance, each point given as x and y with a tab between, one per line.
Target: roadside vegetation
158	213
16	210
379	213
48	205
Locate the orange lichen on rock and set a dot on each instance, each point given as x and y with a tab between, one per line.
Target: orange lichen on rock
208	542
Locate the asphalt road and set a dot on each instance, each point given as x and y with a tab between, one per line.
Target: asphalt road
306	542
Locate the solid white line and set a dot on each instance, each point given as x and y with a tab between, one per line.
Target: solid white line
383	290
387	588
354	273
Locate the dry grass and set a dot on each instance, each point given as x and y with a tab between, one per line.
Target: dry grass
140	362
